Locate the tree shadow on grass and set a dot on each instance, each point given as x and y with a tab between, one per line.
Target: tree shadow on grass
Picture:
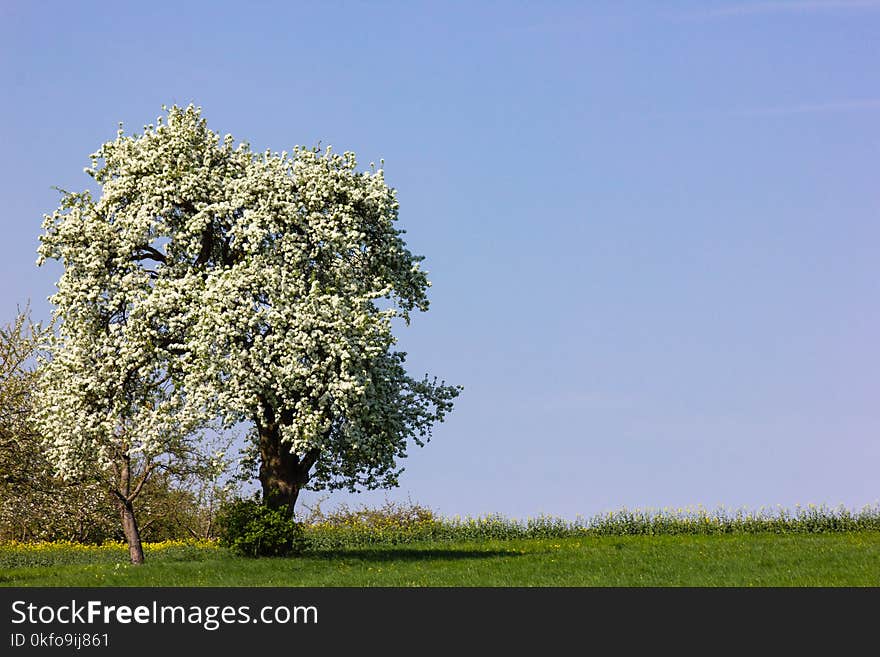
373	554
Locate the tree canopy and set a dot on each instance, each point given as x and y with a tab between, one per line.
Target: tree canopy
208	281
34	503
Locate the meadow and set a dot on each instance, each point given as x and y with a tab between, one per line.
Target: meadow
395	547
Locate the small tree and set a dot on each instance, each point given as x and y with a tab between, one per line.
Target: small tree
178	500
263	285
184	499
106	403
34	503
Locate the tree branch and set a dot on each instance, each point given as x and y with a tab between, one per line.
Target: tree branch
137	489
310	458
146	252
305	464
115	491
207	247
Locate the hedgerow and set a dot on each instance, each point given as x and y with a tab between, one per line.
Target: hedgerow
395	523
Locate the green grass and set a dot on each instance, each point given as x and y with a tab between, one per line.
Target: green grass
755	559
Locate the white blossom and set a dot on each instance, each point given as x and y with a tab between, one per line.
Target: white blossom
208	281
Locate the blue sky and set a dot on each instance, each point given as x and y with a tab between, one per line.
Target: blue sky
652	228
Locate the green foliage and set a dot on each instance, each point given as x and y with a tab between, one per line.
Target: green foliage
183	504
409	545
811	519
251	529
395	524
46	508
38	505
35	504
761	559
390	524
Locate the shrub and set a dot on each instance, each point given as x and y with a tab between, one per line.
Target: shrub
250	529
389	524
408	523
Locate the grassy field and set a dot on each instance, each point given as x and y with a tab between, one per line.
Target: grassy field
756	559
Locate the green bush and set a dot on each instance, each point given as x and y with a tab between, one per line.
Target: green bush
252	530
389	524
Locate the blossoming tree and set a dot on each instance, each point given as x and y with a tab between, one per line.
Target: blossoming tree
209	281
34	503
107	404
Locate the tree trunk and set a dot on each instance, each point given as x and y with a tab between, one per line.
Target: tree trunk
132	533
124	497
283	474
279	470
